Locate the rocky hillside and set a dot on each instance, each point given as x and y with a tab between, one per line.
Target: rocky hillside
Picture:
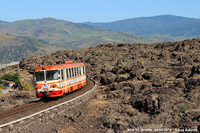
140	85
14	48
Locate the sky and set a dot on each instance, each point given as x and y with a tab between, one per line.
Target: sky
95	10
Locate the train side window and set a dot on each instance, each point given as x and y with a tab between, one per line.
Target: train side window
83	69
80	70
75	74
72	72
77	71
62	74
70	75
67	73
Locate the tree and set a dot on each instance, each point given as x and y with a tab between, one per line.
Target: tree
12	77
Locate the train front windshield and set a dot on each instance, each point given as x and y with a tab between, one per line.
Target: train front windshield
52	75
48	75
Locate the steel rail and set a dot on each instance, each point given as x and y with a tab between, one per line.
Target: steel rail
48	109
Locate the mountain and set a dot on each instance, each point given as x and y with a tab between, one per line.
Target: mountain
68	34
13	48
169	26
30	37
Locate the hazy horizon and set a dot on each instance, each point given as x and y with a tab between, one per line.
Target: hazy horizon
96	11
99	21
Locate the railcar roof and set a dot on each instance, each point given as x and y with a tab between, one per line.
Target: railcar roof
58	66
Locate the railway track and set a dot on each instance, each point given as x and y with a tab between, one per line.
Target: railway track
22	113
22	108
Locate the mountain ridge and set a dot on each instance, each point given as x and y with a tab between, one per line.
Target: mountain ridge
56	34
63	32
175	27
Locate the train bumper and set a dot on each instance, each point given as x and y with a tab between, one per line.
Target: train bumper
49	94
46	94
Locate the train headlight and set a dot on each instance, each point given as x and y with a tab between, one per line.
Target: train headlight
36	86
54	85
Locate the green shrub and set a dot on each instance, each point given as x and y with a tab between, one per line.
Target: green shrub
11	77
12	102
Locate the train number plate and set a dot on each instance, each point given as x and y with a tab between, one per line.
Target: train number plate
46	89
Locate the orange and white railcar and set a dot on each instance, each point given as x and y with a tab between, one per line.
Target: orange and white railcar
57	80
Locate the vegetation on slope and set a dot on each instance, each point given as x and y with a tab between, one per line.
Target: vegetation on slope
13	48
11	77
